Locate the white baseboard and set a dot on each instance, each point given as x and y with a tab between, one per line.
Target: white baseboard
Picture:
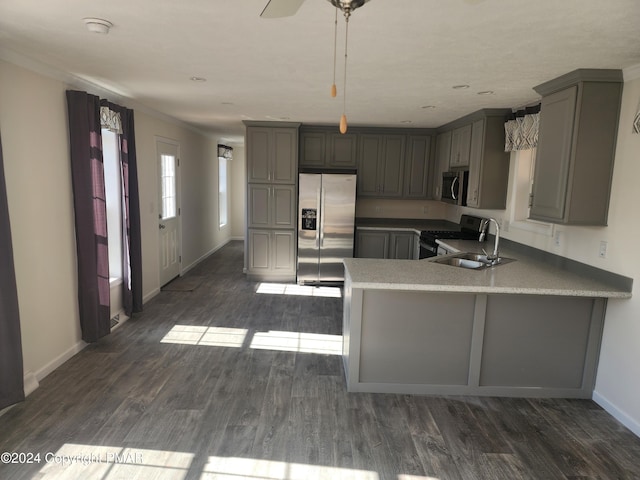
620	415
150	295
204	257
30	383
59	360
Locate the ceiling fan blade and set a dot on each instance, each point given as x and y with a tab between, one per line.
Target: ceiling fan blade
281	8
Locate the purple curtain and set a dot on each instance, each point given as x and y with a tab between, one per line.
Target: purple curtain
87	172
131	238
11	369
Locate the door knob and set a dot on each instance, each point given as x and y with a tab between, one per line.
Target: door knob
162	225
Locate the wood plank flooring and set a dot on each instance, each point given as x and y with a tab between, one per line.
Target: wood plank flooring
133	406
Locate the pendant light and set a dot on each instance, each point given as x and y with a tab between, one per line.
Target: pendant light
346	6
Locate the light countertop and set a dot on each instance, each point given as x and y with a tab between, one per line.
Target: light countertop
525	275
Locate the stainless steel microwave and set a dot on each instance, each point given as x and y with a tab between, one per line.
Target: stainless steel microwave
454	187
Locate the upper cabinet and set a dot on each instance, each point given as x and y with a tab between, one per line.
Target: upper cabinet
320	148
417	167
272	154
576	147
460	146
443	155
476	143
381	165
390	163
488	162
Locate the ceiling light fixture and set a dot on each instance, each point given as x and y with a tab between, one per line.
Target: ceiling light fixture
427	107
198	79
460	87
98	25
486	92
346	6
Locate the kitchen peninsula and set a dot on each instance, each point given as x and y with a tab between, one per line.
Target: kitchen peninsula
524	328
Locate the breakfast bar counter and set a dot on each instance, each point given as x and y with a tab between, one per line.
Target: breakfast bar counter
523	328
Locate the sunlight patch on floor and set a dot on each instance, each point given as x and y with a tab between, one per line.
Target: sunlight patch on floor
303	290
298	342
235	468
201	335
74	461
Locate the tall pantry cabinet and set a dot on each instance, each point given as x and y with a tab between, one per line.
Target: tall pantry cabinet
272	177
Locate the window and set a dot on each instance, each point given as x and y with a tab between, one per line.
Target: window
522	188
113	193
169	200
223	197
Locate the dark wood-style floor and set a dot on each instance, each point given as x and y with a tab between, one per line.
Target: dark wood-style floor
135	406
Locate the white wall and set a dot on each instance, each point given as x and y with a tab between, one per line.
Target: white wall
33	124
618	380
238	184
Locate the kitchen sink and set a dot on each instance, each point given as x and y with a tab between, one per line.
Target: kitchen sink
474	261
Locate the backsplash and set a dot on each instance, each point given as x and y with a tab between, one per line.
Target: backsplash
383	208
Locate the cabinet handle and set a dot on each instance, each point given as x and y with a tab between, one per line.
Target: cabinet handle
453	185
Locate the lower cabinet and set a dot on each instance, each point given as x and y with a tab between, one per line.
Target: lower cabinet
271	255
398	245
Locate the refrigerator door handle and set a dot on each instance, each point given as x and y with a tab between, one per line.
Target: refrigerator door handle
322	198
319	214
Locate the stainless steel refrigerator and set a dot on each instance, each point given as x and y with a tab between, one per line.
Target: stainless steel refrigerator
326	218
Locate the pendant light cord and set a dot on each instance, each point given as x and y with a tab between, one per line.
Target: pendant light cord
346	45
335	53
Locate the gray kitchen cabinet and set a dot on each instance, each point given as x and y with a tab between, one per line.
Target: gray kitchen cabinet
312	149
271	254
402	245
327	149
576	147
381	165
488	162
460	146
393	244
272	174
442	158
272	154
372	244
272	206
417	166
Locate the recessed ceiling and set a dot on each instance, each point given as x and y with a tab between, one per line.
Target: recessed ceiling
403	55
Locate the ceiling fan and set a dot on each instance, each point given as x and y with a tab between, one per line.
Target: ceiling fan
287	8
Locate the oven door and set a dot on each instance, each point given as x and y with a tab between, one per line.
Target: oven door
427	249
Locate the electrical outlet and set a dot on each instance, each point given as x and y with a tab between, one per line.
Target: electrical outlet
557	239
602	253
378	209
425	209
505	226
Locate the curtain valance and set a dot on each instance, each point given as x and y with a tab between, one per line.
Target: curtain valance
110	119
521	129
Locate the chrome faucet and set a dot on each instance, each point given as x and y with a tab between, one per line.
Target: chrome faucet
492	257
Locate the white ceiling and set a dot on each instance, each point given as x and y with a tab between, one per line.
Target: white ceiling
403	55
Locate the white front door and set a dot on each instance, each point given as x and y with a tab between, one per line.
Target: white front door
169	211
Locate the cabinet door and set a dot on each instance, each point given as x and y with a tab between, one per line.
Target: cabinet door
393	165
284	157
460	146
475	163
557	113
372	244
342	150
259	251
258	154
368	162
284	250
443	155
283	205
259	213
312	149
417	166
402	245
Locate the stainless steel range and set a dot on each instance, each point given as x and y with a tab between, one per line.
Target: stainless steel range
469	228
